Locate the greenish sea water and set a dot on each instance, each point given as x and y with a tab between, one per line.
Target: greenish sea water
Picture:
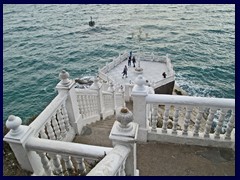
41	40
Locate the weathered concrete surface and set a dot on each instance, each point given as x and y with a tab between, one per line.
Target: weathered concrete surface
158	159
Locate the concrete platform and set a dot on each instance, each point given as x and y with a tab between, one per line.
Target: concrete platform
152	71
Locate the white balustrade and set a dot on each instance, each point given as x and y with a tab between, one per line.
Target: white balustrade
52	150
194	136
43	141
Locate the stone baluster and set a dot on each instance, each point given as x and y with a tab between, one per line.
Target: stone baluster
91	104
219	124
17	138
57	164
154	118
122	170
65	117
56	128
66	86
85	105
139	94
43	133
95	101
113	99
68	164
45	163
50	131
230	126
165	118
82	106
80	165
209	123
97	87
127	94
198	121
187	120
88	105
175	120
124	132
61	123
122	100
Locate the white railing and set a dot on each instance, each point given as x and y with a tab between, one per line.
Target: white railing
88	105
143	56
127	91
182	118
109	66
53	122
39	146
108	104
73	155
113	164
164	81
60	121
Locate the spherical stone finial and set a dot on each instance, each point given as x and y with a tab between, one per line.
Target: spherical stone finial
140	80
14	124
124	117
64	75
140	83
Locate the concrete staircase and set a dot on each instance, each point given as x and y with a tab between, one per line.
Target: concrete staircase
159	159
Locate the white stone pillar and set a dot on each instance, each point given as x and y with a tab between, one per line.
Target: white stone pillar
67	86
139	94
97	86
124	132
17	138
112	90
126	92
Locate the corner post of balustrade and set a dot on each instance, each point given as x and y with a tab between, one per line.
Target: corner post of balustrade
122	92
17	138
139	94
126	92
98	87
124	132
66	86
112	90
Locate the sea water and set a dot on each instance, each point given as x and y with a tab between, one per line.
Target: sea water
41	40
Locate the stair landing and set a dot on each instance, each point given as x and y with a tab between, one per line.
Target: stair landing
161	159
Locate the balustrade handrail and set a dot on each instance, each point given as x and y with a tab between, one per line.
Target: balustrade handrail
164	81
111	164
67	148
106	93
191	101
86	91
46	114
